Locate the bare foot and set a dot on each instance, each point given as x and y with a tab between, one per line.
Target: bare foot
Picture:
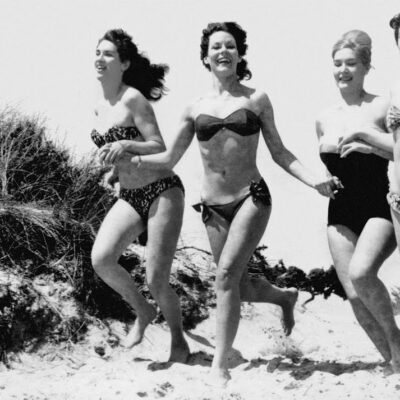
287	310
219	377
179	351
136	334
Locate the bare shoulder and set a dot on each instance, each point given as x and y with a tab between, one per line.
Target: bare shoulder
261	102
380	102
191	110
132	95
324	117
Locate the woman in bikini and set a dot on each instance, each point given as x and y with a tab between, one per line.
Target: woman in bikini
355	146
149	199
236	202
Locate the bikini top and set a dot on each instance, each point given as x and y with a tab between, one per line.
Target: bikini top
113	134
393	118
243	121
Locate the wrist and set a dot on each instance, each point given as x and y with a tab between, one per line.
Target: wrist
137	159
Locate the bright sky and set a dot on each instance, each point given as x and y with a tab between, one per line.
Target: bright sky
47	49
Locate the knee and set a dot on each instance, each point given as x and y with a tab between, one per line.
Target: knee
360	276
157	283
101	261
226	279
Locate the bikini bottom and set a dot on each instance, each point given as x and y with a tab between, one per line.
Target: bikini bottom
258	191
142	198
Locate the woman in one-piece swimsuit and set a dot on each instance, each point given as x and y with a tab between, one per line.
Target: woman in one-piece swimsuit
355	147
236	202
148	200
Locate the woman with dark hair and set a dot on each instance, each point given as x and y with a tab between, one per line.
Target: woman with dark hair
148	200
236	203
355	146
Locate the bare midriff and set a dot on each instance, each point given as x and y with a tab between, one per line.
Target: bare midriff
229	162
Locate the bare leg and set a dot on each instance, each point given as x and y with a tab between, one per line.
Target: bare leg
258	290
342	244
254	290
120	227
375	244
244	234
165	221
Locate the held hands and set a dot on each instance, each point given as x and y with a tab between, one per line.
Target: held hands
111	152
329	186
110	178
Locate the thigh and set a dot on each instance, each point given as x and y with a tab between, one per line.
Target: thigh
375	244
342	243
217	229
163	229
120	227
245	232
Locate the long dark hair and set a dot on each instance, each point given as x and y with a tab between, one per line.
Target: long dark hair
239	35
142	75
395	24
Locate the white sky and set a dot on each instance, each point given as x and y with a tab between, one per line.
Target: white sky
47	49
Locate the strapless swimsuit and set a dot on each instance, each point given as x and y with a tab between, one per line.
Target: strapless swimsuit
243	122
365	181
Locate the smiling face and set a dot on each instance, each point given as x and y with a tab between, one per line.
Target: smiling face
107	61
348	70
222	56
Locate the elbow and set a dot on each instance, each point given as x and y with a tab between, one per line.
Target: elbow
169	162
158	148
279	158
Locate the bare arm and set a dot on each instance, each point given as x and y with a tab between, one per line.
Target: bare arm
376	138
169	158
280	154
144	119
379	141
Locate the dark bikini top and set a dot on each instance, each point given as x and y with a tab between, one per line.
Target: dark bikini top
113	134
243	121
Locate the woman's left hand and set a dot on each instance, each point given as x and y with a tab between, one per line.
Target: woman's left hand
348	138
358	146
110	152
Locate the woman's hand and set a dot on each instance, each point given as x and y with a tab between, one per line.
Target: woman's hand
110	178
358	146
110	152
348	138
329	186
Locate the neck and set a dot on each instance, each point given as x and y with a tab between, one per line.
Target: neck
222	84
111	89
355	97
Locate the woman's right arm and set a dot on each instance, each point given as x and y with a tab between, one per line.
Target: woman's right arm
169	158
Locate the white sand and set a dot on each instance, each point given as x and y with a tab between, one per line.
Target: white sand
327	357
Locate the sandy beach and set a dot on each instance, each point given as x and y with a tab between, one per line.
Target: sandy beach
327	356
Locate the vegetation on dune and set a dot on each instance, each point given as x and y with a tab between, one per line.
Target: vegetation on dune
50	210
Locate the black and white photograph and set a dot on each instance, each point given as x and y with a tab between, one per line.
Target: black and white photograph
199	200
